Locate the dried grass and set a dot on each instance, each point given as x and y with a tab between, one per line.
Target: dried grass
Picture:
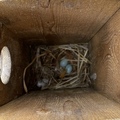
46	65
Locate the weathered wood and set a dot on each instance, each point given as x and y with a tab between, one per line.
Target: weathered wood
76	104
106	58
56	21
19	58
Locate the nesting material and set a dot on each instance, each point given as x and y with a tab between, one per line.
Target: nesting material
63	66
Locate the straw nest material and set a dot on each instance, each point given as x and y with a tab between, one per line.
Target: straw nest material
48	69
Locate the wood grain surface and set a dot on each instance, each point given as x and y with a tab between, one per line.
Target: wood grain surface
76	104
56	21
19	58
105	49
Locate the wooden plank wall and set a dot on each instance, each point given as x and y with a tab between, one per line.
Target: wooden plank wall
105	49
19	59
56	21
76	104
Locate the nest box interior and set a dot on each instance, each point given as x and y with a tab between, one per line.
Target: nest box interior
25	24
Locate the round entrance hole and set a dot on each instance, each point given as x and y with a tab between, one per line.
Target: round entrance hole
5	65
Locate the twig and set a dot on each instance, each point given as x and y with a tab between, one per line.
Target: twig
24	73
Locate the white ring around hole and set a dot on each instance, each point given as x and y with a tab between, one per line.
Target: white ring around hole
5	65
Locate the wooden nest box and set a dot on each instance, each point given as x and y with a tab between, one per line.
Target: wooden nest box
28	23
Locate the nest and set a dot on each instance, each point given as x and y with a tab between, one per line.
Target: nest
49	72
